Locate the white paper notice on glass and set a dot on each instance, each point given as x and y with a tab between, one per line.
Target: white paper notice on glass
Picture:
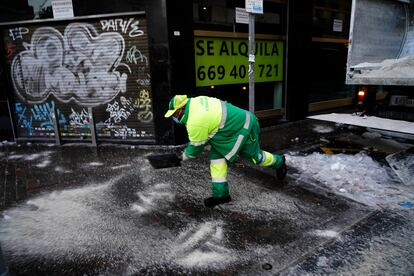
254	6
242	16
62	8
337	25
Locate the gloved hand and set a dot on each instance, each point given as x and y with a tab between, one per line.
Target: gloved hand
184	156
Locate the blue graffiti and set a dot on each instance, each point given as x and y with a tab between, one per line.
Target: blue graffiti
21	118
41	113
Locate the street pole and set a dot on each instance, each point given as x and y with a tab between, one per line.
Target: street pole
252	7
251	62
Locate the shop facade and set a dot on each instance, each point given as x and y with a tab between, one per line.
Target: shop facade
106	73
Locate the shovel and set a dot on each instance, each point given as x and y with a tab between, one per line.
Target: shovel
166	160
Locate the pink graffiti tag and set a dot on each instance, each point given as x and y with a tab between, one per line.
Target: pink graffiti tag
10	49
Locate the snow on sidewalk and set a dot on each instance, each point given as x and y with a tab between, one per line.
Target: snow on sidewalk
368	121
358	177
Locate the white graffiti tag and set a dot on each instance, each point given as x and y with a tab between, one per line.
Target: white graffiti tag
122	25
143	104
144	78
18	32
80	119
118	112
134	56
80	65
144	82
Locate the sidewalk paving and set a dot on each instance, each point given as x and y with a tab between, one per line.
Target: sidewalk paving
78	210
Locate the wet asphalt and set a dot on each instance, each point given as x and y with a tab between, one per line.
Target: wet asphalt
80	210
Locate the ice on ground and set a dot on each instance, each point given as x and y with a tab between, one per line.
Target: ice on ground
322	129
121	166
42	158
358	177
44	163
81	224
7	143
196	234
325	233
386	249
155	197
403	165
60	169
34	156
6	216
262	204
89	223
322	261
201	259
52	224
95	164
145	170
202	246
15	156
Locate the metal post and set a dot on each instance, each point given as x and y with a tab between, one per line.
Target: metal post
251	62
56	126
286	77
11	121
92	127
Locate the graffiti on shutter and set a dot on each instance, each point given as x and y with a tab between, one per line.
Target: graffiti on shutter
72	66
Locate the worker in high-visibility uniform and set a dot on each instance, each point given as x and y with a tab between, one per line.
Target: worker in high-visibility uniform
229	130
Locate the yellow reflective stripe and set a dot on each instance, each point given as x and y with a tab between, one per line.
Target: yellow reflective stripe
196	144
235	147
218	179
268	159
219	169
218	161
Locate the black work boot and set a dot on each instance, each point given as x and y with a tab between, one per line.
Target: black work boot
282	170
213	201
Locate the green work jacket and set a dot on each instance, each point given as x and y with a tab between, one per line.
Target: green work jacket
218	123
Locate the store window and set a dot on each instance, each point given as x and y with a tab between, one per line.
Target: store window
42	9
221	53
330	33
